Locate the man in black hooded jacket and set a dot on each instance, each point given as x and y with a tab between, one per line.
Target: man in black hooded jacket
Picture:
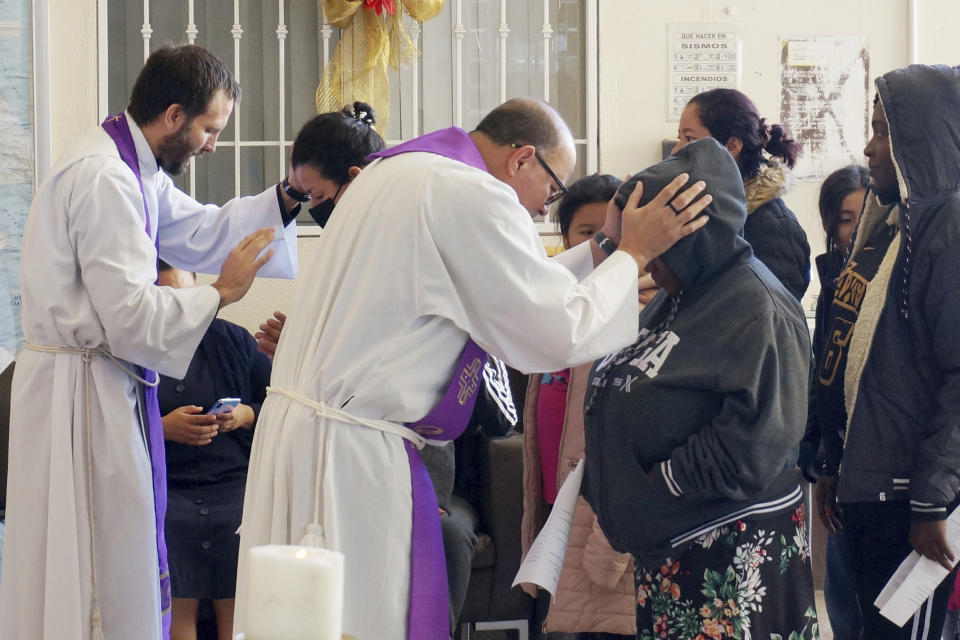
890	372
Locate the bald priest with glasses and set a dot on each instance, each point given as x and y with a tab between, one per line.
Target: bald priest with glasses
429	262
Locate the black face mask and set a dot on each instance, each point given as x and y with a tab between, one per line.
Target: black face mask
321	212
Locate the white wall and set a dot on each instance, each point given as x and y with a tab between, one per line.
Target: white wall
632	76
633	66
73	70
267	295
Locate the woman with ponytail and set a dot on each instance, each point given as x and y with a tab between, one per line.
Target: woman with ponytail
329	152
764	154
327	155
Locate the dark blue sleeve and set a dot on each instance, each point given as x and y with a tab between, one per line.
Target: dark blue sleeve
244	369
260	367
808	459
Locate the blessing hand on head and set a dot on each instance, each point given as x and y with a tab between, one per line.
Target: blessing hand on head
650	230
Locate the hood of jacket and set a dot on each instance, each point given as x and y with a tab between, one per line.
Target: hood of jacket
771	182
698	257
922	104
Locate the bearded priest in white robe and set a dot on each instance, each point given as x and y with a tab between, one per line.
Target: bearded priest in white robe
432	244
81	552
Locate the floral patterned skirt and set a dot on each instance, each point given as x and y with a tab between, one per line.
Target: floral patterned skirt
749	579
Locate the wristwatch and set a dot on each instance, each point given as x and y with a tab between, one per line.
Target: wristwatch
605	243
299	196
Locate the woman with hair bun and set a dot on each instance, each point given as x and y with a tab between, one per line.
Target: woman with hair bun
327	155
764	154
329	152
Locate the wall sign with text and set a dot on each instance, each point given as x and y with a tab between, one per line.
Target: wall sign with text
700	57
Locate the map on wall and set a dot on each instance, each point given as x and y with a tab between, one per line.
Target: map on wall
16	161
824	101
700	57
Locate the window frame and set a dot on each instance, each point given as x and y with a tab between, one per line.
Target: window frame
587	147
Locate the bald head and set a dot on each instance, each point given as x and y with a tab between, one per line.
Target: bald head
530	121
522	142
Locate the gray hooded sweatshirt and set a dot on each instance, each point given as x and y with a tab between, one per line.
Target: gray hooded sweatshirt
712	399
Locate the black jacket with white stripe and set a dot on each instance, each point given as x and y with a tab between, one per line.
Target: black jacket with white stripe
698	422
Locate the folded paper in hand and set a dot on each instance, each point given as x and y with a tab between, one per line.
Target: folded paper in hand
915	579
544	560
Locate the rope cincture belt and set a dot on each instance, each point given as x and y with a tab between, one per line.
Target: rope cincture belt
86	355
315	536
428	611
324	411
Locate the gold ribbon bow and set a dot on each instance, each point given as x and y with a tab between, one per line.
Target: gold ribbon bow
372	39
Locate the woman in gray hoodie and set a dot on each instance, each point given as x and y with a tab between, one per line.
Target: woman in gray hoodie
691	431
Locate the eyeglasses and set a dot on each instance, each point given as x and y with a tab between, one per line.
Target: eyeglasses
561	189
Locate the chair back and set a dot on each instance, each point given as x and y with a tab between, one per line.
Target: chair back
6	382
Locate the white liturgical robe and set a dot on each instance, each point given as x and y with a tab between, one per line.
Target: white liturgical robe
87	278
421	253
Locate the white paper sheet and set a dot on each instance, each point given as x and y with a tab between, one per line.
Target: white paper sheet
544	560
916	579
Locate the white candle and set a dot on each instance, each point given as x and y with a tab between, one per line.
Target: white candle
294	593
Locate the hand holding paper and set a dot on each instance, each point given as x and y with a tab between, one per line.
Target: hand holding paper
916	579
544	561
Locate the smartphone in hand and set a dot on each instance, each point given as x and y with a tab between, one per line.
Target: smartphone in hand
223	405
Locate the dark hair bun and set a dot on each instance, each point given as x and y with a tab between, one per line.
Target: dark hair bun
777	133
781	145
364	113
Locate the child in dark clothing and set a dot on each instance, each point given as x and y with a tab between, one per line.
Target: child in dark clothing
841	200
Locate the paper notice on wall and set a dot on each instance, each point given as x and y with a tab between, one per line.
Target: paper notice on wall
700	57
824	101
916	579
544	560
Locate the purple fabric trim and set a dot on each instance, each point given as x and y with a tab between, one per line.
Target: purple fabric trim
429	614
453	143
119	130
448	419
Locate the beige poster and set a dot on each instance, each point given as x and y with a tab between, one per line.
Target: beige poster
824	101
